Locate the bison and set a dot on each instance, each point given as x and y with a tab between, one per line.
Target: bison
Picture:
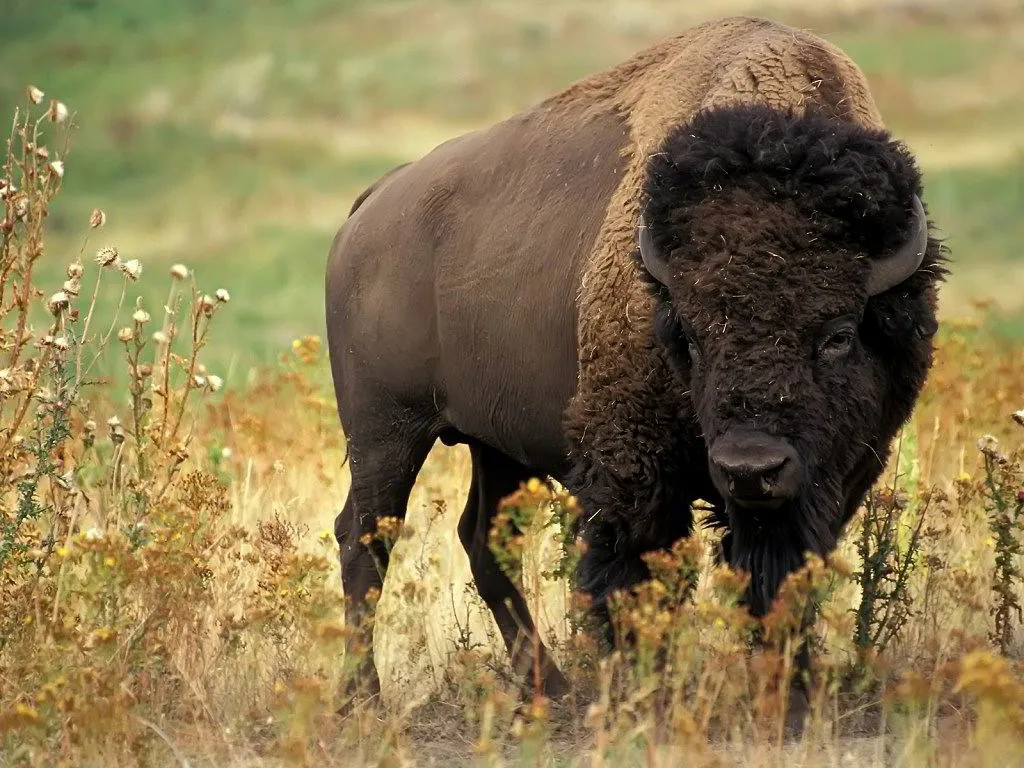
703	273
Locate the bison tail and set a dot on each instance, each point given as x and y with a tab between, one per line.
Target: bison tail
370	189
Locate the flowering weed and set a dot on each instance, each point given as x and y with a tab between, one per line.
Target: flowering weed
169	588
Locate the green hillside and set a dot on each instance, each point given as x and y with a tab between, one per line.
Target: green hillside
232	135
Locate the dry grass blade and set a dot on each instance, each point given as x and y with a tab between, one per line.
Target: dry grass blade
167	557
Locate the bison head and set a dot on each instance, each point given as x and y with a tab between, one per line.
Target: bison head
795	301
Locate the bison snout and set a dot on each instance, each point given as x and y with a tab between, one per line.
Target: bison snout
755	470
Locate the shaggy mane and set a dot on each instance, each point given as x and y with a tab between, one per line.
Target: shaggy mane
853	182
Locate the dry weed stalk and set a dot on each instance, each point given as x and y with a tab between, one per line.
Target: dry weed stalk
141	623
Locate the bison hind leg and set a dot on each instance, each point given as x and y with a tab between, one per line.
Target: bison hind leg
494	477
385	459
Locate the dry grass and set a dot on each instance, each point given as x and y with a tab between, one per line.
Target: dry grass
169	591
251	159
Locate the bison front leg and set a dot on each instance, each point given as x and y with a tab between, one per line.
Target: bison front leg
621	520
495	476
608	564
770	555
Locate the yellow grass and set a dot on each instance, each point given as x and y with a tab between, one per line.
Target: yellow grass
169	591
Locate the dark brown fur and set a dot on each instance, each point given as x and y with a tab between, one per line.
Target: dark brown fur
490	294
771	222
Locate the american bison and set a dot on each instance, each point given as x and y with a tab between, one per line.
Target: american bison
703	273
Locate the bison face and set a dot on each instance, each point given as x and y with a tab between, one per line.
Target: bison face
793	276
764	326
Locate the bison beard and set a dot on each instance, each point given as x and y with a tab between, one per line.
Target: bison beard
727	198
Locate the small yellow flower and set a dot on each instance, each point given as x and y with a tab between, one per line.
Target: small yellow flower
109	562
27	713
62	551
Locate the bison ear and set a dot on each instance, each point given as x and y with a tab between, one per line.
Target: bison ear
655	265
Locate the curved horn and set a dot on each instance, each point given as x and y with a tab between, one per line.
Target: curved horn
655	265
894	269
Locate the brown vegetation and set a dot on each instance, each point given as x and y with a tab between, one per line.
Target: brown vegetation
163	600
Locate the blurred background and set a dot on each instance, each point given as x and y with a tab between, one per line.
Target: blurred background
232	135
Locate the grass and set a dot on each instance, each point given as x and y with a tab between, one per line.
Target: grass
203	125
169	589
933	51
169	585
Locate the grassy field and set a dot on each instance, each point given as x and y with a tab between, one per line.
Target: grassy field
233	134
168	582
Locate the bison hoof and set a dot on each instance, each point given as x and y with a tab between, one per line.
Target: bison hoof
554	685
358	693
798	709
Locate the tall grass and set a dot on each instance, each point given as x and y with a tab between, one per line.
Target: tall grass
163	601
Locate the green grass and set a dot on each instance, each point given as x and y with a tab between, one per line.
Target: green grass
931	51
277	299
232	135
979	211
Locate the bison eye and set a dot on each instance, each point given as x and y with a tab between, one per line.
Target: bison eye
837	343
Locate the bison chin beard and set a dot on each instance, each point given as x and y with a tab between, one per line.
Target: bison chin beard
769	545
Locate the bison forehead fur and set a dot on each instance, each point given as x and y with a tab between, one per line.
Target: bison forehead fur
849	182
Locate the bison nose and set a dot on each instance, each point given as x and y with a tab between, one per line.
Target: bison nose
755	470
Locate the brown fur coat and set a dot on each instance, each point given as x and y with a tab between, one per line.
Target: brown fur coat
732	61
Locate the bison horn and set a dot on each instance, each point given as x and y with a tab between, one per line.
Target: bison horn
894	269
653	262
